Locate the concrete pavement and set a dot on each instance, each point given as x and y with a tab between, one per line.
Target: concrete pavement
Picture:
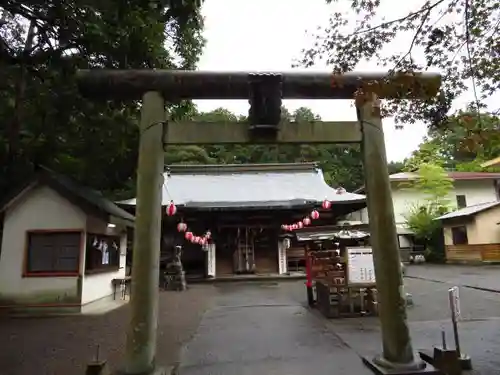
430	315
265	329
480	277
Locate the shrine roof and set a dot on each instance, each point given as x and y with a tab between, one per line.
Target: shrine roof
249	186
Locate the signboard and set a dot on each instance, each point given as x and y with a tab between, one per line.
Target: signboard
454	296
360	269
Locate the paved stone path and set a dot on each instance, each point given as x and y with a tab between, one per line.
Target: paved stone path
264	329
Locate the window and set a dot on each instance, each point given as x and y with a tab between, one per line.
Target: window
102	253
459	235
53	253
461	201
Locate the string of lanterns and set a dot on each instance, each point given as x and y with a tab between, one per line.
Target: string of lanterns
313	215
171	210
182	227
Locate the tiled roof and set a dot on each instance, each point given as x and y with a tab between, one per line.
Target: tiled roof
469	211
249	185
80	195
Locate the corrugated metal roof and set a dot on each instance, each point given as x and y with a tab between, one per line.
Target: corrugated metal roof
455	176
404	176
249	185
468	211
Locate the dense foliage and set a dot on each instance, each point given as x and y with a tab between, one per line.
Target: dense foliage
463	144
434	186
341	165
459	38
44	119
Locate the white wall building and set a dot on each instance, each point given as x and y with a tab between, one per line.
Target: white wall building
62	246
469	188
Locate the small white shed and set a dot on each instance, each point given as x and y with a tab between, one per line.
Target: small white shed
62	245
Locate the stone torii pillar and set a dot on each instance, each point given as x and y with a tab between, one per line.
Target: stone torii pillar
155	85
397	353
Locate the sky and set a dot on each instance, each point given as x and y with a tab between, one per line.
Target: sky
267	35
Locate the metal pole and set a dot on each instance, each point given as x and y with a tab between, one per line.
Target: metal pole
141	336
397	347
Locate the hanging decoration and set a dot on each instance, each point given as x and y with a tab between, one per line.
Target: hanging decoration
191	237
314	215
171	209
326	204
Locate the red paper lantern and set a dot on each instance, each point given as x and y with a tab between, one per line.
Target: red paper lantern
314	215
208	235
327	204
306	221
189	236
203	241
300	225
341	190
171	209
182	227
295	226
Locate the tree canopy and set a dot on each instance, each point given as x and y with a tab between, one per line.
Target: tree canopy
44	119
341	164
464	143
457	38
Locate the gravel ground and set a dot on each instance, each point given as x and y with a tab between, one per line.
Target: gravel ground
63	345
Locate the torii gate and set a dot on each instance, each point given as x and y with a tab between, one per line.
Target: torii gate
157	86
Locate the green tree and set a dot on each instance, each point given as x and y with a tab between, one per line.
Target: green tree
44	119
395	167
453	37
341	165
434	184
466	141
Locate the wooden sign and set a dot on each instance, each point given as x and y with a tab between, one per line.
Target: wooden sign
360	266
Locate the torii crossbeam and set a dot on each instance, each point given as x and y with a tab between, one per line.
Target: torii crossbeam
157	86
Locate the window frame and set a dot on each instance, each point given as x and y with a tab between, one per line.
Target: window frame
113	266
26	271
455	227
457	200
